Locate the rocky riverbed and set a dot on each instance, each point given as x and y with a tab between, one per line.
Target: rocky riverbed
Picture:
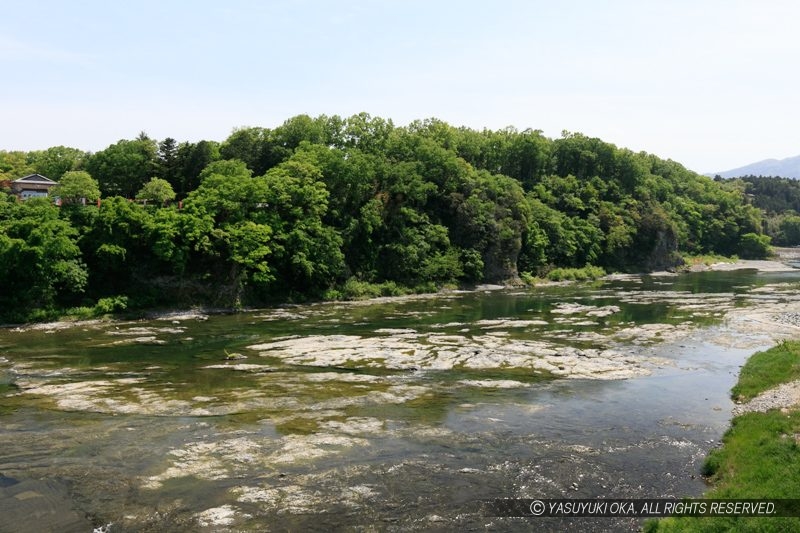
359	413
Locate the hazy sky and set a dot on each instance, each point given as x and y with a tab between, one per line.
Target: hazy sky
712	84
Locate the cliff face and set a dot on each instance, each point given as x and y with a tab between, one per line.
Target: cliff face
500	260
664	253
655	246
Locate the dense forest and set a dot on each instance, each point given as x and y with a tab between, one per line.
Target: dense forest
317	206
779	198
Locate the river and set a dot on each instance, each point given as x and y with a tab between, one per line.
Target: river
395	414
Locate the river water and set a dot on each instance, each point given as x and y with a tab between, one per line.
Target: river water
395	414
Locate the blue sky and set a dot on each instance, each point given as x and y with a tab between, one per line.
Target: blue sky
709	83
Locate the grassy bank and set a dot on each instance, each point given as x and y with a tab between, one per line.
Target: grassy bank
760	453
586	273
693	261
765	370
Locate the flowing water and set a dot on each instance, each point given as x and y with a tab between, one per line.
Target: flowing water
395	414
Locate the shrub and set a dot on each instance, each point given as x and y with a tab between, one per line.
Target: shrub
426	287
113	304
354	289
754	246
576	274
390	288
332	294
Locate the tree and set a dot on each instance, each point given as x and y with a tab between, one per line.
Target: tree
122	168
302	128
256	147
40	262
168	160
192	158
492	219
116	248
754	246
14	165
77	186
790	230
157	190
306	252
56	161
238	248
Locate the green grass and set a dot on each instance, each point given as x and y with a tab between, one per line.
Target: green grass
354	289
765	370
707	259
576	274
759	458
103	307
586	273
760	453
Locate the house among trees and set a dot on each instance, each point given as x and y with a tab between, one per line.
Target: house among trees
32	185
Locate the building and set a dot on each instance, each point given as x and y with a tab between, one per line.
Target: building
32	185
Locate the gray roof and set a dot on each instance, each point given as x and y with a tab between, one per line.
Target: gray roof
36	178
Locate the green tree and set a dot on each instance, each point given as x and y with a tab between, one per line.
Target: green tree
168	161
790	230
307	253
77	186
368	134
493	218
14	165
237	249
302	128
156	190
192	158
40	262
116	248
56	161
754	246
123	168
257	147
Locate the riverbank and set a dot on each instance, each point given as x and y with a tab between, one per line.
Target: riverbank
783	260
760	453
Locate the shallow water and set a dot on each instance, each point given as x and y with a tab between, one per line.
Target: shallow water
396	414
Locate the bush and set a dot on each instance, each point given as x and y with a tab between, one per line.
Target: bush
82	312
426	288
354	289
114	304
576	274
332	294
754	246
712	464
390	288
472	266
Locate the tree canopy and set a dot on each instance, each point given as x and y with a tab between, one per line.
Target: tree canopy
291	212
77	186
156	190
779	198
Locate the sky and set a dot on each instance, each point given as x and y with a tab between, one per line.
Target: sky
711	84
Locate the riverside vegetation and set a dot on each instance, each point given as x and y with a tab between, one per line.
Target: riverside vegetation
760	455
337	208
779	198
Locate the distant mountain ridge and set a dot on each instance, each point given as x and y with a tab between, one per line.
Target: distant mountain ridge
785	168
